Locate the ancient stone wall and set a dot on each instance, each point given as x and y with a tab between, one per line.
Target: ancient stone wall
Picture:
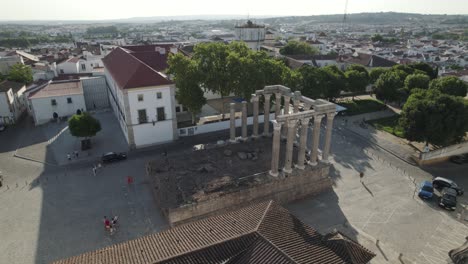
311	181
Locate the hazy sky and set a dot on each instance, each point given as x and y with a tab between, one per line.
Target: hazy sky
111	9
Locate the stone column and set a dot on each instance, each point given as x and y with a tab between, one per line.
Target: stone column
302	143
285	112
275	150
277	104
232	118
244	120
266	114
315	140
328	135
289	146
254	100
296	101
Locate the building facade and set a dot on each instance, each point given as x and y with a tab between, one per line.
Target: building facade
55	100
252	34
12	102
141	96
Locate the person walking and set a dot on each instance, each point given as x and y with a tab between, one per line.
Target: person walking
107	224
94	170
76	153
69	156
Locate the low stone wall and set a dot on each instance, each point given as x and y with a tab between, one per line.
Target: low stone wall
298	185
442	154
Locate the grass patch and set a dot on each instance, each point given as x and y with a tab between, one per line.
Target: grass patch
389	125
363	106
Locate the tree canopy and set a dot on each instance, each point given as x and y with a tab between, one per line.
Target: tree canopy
387	87
433	117
20	73
375	73
426	68
84	125
187	80
356	81
294	47
418	80
449	85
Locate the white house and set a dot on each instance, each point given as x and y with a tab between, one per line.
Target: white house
56	99
141	96
70	66
12	101
252	34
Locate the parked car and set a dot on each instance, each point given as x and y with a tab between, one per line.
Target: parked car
426	190
112	156
2	128
460	255
448	198
440	183
459	159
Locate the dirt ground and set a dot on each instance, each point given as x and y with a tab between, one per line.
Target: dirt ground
190	177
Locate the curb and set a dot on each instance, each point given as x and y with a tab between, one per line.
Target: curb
34	160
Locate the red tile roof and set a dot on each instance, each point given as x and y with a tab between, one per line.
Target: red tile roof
130	70
260	233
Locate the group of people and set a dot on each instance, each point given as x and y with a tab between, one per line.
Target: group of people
75	155
110	225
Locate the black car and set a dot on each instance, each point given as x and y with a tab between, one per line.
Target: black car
459	159
448	198
440	183
112	156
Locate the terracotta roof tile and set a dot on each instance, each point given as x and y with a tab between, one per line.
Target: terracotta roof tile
130	72
260	233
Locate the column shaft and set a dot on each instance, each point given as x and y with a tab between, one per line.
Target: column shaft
328	135
266	114
232	119
302	143
285	112
255	115
315	139
244	120
275	150
290	146
277	104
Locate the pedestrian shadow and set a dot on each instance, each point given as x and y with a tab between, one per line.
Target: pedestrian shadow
367	189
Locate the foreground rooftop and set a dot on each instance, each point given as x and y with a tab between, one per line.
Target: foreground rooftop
263	232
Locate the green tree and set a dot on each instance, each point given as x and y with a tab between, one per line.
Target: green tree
84	126
426	68
417	81
377	37
216	76
433	117
375	73
335	82
294	47
356	81
449	85
187	79
20	73
312	81
387	87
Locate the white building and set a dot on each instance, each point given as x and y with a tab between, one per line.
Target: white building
12	101
141	96
57	99
252	34
70	66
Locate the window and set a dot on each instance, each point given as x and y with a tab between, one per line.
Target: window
177	109
161	116
91	65
159	95
83	67
61	71
142	118
140	98
69	100
53	102
184	109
